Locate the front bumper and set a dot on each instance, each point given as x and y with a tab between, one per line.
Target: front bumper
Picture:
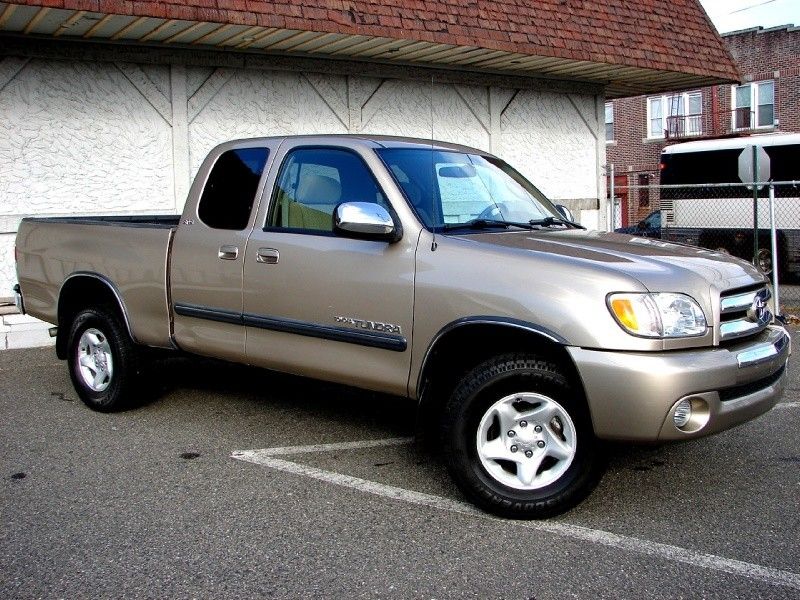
633	395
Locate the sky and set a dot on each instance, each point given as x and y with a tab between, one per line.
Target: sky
731	15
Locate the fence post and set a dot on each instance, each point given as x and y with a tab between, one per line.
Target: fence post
775	258
755	205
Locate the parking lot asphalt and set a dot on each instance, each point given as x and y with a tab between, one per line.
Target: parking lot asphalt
186	497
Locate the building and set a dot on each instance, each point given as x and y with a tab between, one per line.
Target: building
766	100
109	106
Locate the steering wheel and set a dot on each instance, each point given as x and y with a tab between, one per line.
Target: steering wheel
493	211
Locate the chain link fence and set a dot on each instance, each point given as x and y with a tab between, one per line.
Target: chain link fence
724	217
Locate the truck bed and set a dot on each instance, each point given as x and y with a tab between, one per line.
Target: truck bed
130	253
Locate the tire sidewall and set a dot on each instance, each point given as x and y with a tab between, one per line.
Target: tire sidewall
472	476
112	397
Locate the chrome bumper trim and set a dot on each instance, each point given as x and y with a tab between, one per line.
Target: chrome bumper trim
763	352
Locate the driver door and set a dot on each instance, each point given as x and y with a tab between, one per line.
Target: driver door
318	304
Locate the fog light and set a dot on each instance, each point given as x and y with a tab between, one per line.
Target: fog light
683	412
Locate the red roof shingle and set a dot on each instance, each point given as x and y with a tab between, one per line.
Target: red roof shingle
672	36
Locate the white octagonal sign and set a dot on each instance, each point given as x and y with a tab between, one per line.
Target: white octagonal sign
747	173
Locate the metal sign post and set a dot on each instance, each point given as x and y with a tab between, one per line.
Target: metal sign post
755	205
754	168
774	239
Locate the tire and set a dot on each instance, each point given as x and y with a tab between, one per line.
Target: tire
103	360
764	261
553	459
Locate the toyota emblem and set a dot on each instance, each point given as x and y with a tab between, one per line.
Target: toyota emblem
757	310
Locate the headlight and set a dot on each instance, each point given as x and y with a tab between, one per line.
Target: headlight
661	315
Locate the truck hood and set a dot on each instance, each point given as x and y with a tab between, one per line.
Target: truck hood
658	265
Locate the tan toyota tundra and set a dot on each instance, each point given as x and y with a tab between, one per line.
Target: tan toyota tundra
426	270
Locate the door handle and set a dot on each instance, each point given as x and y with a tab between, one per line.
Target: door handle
228	252
268	256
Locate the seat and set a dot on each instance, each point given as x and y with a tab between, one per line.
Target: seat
316	197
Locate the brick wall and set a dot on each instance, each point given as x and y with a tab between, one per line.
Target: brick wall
760	54
772	54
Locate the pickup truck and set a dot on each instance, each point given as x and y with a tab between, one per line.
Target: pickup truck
425	270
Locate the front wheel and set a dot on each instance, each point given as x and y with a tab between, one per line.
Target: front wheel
103	360
519	440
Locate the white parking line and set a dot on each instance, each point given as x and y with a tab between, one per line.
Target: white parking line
266	457
788	405
283	450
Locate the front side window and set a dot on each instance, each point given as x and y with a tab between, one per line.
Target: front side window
675	116
754	105
448	189
609	121
313	181
230	189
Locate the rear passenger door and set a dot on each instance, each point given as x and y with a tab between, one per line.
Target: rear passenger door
208	250
319	304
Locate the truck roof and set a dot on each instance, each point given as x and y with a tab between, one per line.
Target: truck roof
767	139
374	141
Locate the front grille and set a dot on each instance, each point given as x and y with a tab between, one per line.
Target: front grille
745	389
744	312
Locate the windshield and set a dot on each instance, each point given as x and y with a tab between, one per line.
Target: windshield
450	189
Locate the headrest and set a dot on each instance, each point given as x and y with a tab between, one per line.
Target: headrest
319	189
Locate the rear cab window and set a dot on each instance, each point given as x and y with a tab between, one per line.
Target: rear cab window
231	187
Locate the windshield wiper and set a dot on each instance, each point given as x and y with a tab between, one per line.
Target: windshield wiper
490	223
485	224
476	224
548	221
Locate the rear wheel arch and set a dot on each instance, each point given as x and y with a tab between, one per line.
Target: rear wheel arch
84	290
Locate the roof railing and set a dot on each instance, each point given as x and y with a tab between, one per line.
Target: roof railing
681	126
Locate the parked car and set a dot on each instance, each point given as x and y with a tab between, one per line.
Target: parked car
426	270
649	227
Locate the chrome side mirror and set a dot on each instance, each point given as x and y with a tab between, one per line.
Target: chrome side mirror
565	212
365	220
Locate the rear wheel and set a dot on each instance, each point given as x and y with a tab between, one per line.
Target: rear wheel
519	440
103	360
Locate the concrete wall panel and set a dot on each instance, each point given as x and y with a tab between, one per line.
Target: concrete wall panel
78	138
263	103
102	137
551	139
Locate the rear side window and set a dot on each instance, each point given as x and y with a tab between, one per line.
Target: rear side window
231	188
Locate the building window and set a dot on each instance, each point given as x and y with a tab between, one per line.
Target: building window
753	105
609	121
675	116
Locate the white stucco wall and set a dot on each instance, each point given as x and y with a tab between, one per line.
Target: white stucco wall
111	138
